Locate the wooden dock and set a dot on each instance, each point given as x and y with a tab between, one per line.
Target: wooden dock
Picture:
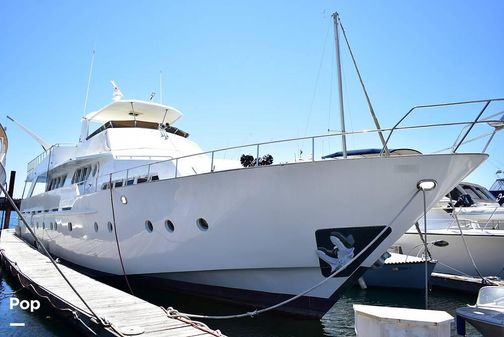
461	283
120	314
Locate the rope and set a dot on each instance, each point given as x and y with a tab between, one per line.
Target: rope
483	279
101	320
39	244
48	299
371	110
175	314
117	240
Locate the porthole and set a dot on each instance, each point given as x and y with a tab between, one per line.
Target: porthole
51	226
169	226
43	225
124	200
37	225
70	227
202	224
148	226
55	226
96	227
109	226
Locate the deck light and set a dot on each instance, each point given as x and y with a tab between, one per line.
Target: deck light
426	184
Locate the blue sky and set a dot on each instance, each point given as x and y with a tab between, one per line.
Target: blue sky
244	71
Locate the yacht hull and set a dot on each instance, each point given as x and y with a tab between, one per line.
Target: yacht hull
486	247
267	230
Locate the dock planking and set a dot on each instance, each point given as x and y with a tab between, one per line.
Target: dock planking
120	313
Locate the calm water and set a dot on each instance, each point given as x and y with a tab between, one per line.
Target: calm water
337	322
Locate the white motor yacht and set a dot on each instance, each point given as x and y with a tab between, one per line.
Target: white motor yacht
137	197
467	243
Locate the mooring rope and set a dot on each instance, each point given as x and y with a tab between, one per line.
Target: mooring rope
40	244
117	239
483	279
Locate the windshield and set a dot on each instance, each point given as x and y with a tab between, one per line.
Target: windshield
491	296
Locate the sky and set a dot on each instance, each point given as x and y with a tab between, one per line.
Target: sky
247	71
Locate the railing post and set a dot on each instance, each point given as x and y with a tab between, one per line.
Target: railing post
471	126
257	157
313	149
176	167
211	163
148	170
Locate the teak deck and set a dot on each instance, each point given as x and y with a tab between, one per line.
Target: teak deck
127	314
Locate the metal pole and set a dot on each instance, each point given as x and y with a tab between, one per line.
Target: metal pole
8	208
257	157
425	253
313	149
335	17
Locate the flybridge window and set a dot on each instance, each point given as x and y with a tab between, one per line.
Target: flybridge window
56	182
139	124
81	174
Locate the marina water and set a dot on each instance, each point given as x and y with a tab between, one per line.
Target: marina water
339	321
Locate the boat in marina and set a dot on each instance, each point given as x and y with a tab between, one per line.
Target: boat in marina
400	271
134	198
473	203
487	315
138	197
466	240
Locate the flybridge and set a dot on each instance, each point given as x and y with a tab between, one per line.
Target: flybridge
131	110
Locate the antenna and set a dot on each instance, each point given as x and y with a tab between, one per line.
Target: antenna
45	145
89	81
85	123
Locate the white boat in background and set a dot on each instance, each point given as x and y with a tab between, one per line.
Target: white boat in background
474	203
486	246
137	197
487	316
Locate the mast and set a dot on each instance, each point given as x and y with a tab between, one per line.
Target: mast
335	17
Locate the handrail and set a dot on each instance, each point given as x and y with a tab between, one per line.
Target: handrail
470	124
427	106
312	138
38	159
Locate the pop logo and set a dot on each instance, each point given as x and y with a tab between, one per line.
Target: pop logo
32	305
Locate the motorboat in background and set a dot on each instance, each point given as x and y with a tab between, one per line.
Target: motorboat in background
474	203
485	246
487	315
